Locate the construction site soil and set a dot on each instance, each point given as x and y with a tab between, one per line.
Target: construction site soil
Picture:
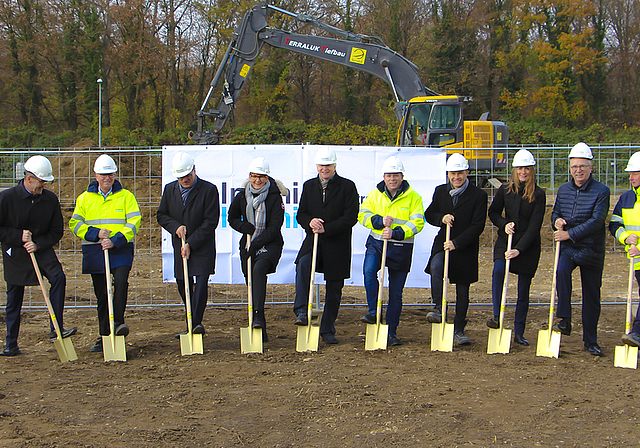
340	395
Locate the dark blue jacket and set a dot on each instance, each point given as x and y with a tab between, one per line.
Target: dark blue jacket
585	209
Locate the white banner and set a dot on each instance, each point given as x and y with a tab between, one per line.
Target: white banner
226	167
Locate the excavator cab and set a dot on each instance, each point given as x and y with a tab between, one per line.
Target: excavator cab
434	121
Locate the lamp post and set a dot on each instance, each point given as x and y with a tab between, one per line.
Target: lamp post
99	112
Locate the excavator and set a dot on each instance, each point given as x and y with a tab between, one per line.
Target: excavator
425	117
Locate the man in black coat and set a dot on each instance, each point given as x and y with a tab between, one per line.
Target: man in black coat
31	222
464	207
329	207
190	209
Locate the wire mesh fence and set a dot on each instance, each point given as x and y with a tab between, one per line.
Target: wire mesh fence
140	171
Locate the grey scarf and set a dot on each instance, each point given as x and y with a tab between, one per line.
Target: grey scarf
256	209
456	192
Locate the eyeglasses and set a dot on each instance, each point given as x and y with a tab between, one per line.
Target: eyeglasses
257	176
579	167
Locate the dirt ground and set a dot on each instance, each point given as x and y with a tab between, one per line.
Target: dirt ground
341	395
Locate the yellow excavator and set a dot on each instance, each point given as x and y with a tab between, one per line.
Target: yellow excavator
426	118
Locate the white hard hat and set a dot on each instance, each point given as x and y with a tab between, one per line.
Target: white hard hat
523	158
634	162
105	165
581	151
182	164
259	165
457	162
393	165
325	156
40	167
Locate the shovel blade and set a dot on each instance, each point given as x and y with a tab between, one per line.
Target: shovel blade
441	337
116	351
307	340
250	340
499	341
191	344
548	343
376	337
626	357
65	349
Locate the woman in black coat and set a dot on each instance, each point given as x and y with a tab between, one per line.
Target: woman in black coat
261	219
523	203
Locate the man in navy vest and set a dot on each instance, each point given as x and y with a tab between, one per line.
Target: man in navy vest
581	207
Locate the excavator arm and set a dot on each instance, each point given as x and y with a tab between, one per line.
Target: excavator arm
351	50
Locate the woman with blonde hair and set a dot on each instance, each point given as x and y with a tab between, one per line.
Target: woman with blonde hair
517	209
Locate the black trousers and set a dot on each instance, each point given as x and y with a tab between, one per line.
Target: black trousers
120	283
199	294
332	298
15	297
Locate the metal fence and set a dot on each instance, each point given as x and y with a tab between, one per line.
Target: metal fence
140	171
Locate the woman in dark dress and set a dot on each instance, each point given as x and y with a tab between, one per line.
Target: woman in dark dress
523	204
258	213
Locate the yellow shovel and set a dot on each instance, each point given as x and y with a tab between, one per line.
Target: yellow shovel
499	338
190	344
250	338
64	347
549	340
377	334
113	347
442	333
627	356
308	336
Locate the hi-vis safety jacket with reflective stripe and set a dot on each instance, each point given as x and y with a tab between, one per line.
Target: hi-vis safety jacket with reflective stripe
625	220
118	212
405	208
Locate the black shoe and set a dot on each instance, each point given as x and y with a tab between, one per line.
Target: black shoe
368	318
493	322
65	333
265	336
198	329
519	339
122	330
631	339
460	338
10	351
593	349
301	319
564	327
258	320
394	341
435	317
97	348
329	338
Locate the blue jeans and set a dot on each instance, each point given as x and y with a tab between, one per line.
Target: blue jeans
636	322
522	305
372	262
591	283
437	287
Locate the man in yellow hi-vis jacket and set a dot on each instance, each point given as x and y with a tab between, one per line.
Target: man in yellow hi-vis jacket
625	227
393	211
107	217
